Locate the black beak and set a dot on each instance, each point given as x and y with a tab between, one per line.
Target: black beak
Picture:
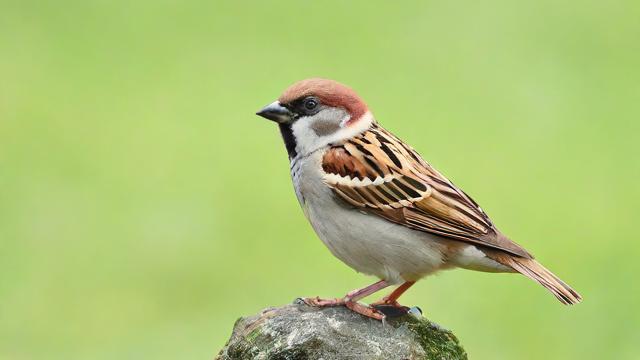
276	112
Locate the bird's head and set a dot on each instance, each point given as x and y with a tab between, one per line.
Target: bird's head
314	113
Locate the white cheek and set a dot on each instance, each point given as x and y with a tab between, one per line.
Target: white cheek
308	141
306	138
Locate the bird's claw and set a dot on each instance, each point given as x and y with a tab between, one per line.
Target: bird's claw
318	302
380	310
365	310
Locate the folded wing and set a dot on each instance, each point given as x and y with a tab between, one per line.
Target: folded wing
379	174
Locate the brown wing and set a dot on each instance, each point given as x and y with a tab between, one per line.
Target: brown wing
378	173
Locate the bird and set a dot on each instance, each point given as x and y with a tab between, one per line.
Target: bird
379	207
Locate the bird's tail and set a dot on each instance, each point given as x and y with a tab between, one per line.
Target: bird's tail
535	271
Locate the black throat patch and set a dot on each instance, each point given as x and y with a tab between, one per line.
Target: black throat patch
289	139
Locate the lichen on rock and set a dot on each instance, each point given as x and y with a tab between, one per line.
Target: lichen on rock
299	331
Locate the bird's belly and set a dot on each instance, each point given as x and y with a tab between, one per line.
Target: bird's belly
366	242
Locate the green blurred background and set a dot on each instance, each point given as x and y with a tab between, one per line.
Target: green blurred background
144	207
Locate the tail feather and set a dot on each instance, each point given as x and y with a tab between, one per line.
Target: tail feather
535	271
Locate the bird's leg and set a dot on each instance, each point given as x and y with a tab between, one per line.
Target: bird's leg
392	299
351	300
358	294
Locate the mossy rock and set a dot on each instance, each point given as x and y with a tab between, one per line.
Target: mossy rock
301	332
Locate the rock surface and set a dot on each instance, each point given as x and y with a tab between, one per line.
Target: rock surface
299	331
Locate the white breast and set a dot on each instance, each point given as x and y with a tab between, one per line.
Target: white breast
365	242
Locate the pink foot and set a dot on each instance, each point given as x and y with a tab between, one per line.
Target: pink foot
365	310
317	302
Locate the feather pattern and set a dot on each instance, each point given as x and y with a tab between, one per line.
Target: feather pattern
379	174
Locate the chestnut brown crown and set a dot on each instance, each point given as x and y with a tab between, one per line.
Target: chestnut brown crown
329	92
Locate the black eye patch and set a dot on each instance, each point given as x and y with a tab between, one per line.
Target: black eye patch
306	106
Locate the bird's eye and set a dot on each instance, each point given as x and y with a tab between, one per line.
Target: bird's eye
310	104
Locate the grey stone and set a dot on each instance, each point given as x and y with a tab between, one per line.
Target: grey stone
299	331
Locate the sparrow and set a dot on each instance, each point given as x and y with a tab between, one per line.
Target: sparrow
379	206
